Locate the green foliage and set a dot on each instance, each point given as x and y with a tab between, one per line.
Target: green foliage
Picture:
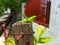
14	5
44	39
32	18
35	40
40	31
10	42
40	39
24	0
2	10
28	20
1	3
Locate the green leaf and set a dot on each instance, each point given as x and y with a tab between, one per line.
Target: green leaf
10	42
32	18
25	16
2	9
28	20
21	21
39	31
35	40
44	39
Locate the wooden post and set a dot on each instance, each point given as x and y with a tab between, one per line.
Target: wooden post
23	34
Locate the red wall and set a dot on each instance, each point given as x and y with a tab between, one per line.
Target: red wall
37	7
32	8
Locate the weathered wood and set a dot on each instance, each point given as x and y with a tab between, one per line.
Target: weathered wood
26	30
